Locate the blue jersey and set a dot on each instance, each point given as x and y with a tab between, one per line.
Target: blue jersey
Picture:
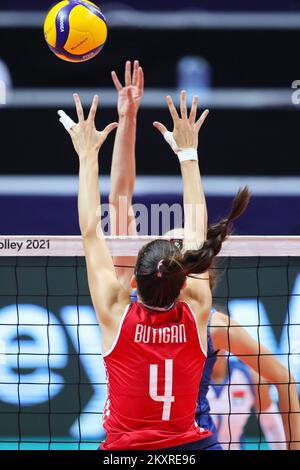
133	296
231	403
216	402
203	417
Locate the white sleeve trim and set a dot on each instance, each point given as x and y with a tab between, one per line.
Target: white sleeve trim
110	350
199	337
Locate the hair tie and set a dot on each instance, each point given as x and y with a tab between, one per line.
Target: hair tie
159	264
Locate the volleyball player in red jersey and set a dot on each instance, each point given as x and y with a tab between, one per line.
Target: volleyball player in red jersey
154	350
123	223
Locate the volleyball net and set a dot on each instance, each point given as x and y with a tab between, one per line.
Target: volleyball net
52	378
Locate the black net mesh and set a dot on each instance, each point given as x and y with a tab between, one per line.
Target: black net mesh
52	380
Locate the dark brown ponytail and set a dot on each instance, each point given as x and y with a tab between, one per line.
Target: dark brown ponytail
198	261
161	267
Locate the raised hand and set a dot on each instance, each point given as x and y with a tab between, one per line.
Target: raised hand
129	95
185	128
85	137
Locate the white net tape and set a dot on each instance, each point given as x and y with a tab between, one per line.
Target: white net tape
129	246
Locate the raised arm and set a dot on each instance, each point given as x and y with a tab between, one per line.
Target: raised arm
123	168
227	334
184	142
123	160
106	292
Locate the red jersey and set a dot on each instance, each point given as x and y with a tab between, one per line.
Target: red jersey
153	371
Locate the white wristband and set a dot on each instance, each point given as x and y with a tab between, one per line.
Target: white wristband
183	155
187	154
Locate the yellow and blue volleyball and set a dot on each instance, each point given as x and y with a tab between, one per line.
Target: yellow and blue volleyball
75	30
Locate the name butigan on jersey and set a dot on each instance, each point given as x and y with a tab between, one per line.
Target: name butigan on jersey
148	334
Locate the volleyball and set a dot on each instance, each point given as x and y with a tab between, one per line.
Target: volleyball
75	30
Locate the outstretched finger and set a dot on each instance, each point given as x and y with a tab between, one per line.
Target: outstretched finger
193	112
172	109
183	109
66	121
128	73
110	127
79	108
94	107
116	81
140	80
160	127
201	119
135	72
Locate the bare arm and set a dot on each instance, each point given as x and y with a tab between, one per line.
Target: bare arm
107	295
269	416
186	134
194	202
123	169
262	395
195	216
229	335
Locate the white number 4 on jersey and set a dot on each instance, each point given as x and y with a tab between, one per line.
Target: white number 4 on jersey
167	398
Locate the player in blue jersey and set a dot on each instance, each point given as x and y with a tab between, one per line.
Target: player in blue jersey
230	389
232	398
